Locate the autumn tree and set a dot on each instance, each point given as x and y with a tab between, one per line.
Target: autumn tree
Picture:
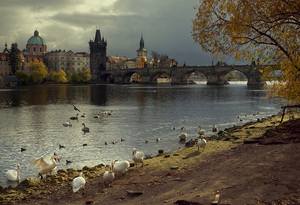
38	71
264	29
14	58
85	74
23	77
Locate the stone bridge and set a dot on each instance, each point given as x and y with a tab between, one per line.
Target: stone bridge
215	75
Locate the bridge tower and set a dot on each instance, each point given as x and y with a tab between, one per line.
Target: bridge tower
97	56
141	52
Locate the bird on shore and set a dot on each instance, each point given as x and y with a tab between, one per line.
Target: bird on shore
215	128
120	166
75	108
78	183
74	118
183	135
201	143
201	132
13	175
45	166
108	177
67	124
138	157
85	128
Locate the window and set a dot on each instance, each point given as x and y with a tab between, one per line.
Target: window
40	49
34	49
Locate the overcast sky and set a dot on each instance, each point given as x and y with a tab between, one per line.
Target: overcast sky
166	26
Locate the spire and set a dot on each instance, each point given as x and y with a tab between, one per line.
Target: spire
97	36
142	43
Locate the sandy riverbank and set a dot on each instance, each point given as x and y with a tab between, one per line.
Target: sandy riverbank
225	167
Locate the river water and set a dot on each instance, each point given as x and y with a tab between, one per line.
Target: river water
32	117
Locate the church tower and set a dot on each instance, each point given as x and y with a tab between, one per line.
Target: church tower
97	56
141	52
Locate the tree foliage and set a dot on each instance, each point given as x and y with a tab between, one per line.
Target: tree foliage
23	77
160	60
57	77
14	58
38	71
264	29
85	74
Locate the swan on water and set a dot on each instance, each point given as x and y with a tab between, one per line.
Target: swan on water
13	175
138	157
120	166
67	124
85	129
74	118
183	135
215	128
108	177
201	132
201	143
45	166
78	183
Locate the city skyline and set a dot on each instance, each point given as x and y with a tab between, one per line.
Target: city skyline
69	25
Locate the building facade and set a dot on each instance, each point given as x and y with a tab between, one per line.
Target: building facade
97	56
66	61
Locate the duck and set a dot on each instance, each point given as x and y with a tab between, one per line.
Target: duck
85	129
201	143
215	128
45	166
138	157
158	139
78	183
83	115
108	113
74	118
183	135
67	124
120	166
97	116
13	175
201	131
68	161
108	177
106	142
23	149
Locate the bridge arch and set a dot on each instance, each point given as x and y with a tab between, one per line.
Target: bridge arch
165	78
127	76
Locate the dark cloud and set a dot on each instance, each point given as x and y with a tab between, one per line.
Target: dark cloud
68	25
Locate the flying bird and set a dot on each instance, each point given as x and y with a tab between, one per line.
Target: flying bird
75	108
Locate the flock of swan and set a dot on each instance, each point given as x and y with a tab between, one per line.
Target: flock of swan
116	167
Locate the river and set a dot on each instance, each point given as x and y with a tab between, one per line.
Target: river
32	118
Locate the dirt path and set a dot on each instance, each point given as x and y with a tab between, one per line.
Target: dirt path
264	170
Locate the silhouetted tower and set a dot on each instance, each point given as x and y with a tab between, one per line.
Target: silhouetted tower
141	52
97	56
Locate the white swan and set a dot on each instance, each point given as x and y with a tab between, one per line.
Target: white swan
201	143
85	129
45	166
183	136
13	175
74	118
215	128
108	177
120	166
78	183
138	157
67	124
200	131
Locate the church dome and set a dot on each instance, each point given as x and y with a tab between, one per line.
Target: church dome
36	39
